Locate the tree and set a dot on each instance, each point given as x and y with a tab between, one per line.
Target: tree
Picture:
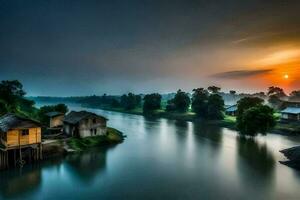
10	93
199	102
275	94
257	119
115	103
213	89
246	103
45	109
130	101
3	109
295	95
232	92
276	91
151	102
180	102
123	100
63	108
215	107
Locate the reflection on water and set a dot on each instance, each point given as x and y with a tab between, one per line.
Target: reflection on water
163	159
86	165
256	155
22	181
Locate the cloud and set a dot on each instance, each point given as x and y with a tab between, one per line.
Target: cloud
241	73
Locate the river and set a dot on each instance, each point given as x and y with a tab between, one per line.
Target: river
163	159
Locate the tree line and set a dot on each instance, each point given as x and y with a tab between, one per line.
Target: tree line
253	115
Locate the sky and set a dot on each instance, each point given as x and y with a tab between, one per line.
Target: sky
84	47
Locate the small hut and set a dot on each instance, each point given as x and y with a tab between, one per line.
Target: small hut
291	114
18	134
55	119
84	124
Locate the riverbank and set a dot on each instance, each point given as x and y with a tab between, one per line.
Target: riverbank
283	128
80	144
61	147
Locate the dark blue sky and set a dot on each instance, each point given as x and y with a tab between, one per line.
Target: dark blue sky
64	47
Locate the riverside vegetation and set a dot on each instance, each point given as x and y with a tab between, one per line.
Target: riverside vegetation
203	105
13	100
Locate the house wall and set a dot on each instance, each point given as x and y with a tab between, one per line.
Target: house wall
56	121
68	129
15	138
288	116
92	126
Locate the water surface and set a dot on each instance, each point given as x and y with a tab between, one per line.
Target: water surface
163	159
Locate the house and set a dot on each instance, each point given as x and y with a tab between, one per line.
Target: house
16	131
84	124
291	113
19	135
231	110
55	119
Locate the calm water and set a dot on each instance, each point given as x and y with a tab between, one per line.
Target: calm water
163	159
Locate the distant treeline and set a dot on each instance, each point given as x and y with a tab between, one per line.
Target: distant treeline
275	96
255	112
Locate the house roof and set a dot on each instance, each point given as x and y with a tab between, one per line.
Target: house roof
291	110
11	121
54	114
232	108
74	117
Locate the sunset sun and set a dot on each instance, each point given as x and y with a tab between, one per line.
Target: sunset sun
286	76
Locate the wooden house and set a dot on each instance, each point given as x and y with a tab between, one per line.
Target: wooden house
55	119
291	114
84	124
17	133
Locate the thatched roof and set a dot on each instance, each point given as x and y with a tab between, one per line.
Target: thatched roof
12	121
74	117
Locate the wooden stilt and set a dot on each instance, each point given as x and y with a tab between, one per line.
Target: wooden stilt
7	163
41	152
15	161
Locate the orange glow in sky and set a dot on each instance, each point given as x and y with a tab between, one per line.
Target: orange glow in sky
285	69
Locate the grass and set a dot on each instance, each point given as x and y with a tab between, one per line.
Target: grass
113	136
291	127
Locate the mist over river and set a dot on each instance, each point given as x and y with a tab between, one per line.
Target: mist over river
162	159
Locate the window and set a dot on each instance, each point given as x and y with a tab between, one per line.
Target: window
25	132
94	120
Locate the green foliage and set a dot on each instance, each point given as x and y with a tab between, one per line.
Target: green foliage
152	102
113	136
215	107
275	94
232	92
130	101
3	109
257	119
10	94
246	103
213	89
45	109
180	102
295	95
199	102
115	103
208	106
